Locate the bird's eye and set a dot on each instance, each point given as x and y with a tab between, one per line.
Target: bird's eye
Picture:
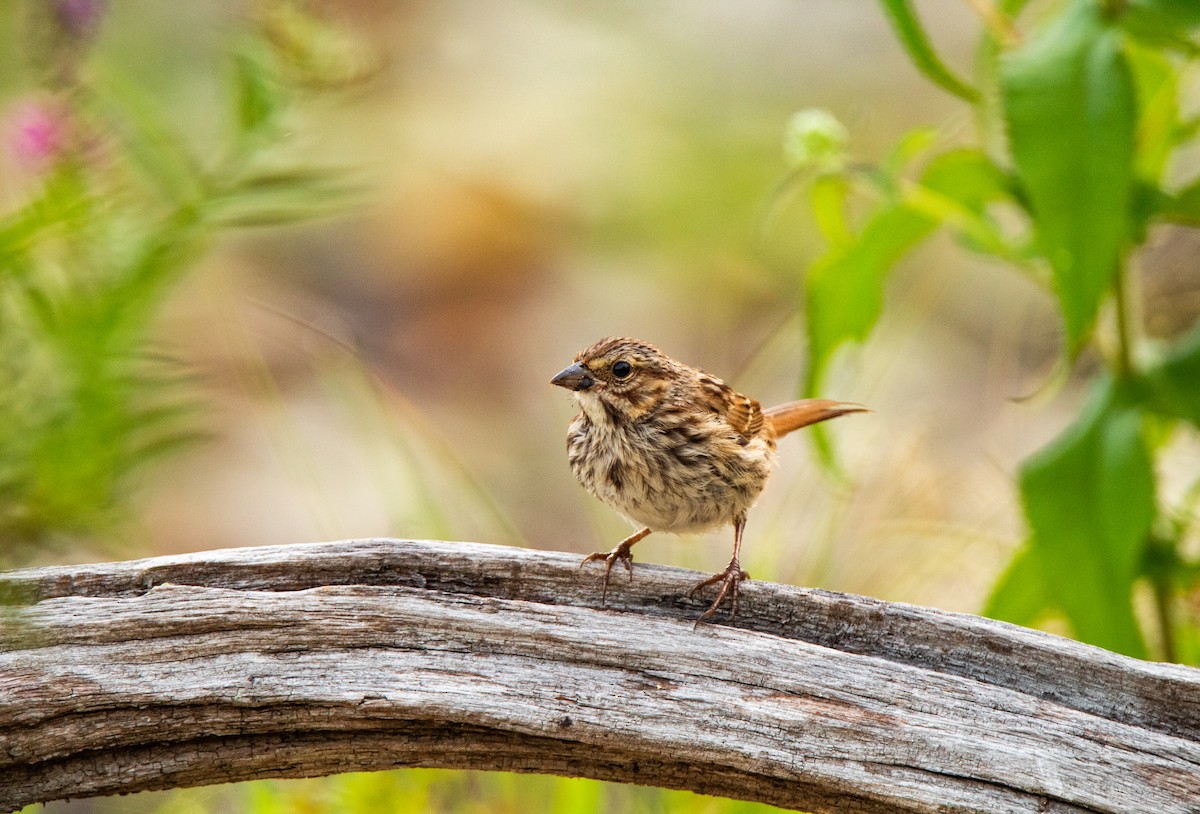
622	369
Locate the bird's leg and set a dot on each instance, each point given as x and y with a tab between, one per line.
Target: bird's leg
620	553
730	579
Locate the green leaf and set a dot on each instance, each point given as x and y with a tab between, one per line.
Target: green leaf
844	291
61	200
259	95
147	137
955	191
277	198
1020	596
1181	13
1183	207
1157	81
907	150
1173	385
920	51
1012	7
1069	101
1089	497
827	197
969	177
157	260
845	287
1155	19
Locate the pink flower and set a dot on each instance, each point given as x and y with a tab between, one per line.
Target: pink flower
80	18
37	133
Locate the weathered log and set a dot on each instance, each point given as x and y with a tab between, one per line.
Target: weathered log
306	660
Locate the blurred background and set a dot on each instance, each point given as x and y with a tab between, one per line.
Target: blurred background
506	183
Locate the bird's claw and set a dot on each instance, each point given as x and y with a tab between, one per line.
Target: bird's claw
622	554
730	579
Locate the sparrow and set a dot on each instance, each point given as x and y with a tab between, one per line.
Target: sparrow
674	449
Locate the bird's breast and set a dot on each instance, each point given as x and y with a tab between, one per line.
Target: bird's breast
679	471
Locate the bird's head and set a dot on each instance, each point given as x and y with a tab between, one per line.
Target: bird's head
619	374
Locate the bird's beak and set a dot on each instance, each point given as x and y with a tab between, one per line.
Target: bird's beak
575	377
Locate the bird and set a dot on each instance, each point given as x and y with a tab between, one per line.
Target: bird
674	449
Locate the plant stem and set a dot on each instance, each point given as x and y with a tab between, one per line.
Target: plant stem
1162	565
1125	326
999	25
1114	8
1161	583
1165	612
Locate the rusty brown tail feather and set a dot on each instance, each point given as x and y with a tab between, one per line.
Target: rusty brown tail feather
796	414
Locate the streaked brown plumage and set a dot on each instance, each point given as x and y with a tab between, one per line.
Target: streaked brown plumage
673	448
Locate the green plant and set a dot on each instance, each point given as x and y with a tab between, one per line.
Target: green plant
1079	111
112	209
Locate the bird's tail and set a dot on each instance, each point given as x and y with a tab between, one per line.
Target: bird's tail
796	414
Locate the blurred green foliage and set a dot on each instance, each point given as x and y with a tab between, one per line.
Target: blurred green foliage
1087	115
493	792
425	791
114	210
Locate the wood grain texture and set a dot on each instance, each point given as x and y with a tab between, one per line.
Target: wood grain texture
297	661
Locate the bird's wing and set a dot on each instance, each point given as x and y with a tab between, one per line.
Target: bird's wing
742	413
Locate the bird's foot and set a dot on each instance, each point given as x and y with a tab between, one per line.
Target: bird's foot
622	553
730	579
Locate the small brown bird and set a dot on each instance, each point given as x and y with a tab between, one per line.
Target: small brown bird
673	448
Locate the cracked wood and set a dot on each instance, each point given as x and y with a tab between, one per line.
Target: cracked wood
370	654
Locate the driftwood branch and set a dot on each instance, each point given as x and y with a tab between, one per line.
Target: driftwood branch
373	654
